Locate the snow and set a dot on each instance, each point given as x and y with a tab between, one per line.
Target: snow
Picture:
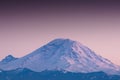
63	54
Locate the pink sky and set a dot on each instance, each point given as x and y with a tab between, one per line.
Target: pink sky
24	30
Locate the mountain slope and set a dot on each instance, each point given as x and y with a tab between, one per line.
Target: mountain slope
63	54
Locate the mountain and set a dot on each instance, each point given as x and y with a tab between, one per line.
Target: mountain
7	59
63	55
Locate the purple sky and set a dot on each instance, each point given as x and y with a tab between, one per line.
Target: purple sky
25	26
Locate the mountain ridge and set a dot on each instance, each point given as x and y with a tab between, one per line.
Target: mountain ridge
7	59
26	74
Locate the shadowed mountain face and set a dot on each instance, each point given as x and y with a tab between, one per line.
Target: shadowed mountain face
26	74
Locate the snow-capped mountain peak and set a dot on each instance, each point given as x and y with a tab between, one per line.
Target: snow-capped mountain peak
63	54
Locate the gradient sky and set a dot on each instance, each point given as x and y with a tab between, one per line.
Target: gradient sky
27	25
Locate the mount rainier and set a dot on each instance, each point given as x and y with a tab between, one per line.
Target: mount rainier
61	55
